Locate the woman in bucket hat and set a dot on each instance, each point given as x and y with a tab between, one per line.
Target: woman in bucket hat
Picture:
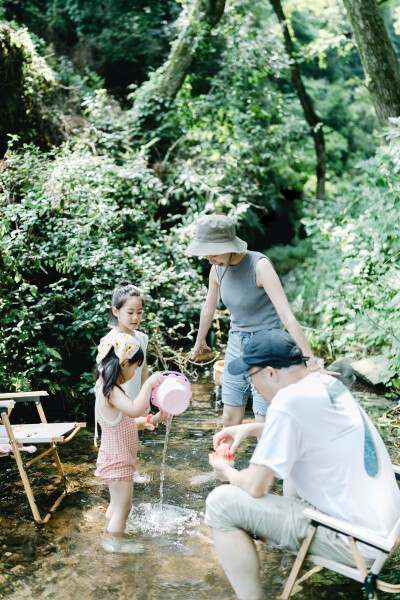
252	292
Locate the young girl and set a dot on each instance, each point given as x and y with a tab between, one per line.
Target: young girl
127	305
118	359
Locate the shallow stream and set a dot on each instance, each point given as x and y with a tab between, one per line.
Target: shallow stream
64	559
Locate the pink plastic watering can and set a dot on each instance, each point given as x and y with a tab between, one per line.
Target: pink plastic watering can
173	394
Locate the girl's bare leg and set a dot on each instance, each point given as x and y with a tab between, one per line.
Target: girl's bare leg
121	495
109	512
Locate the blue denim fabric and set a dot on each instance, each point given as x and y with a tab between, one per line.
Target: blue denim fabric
235	391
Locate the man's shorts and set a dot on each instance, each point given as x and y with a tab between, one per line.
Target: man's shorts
235	390
278	519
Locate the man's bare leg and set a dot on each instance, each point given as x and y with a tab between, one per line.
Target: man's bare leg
239	559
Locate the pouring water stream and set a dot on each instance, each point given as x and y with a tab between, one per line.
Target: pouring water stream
164	455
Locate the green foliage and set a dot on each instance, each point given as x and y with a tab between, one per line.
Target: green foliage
242	141
120	199
119	39
333	74
348	288
28	89
72	226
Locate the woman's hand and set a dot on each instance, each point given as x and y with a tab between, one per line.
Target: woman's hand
199	348
313	366
333	373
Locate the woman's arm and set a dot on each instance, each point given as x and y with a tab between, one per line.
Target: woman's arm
206	315
267	278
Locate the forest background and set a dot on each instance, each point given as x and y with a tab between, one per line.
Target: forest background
123	121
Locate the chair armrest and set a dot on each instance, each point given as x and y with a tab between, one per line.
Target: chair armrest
6	404
359	533
23	396
396	469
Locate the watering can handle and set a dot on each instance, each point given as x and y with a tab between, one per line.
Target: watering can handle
175	373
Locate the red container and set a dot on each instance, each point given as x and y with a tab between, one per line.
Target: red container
223	452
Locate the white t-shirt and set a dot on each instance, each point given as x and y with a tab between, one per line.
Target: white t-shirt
133	385
315	432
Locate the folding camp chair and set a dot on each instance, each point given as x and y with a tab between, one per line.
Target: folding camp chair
36	433
366	575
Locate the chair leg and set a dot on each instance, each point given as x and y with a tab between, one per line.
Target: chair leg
389	588
25	479
21	469
53	445
302	553
57	461
369	578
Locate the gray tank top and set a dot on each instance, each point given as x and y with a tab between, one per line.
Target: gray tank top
249	305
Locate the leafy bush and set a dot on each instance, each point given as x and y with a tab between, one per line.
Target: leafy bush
72	226
348	287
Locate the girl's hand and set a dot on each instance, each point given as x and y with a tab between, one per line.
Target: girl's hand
154	380
199	348
160	417
141	423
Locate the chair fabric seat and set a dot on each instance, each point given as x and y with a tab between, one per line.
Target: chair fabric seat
36	433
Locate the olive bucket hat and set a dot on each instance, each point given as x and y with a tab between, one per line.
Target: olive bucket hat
215	234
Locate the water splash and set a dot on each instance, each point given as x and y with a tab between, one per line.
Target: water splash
156	519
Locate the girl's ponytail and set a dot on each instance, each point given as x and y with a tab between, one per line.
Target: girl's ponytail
110	372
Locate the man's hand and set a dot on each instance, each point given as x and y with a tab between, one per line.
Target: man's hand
221	468
236	434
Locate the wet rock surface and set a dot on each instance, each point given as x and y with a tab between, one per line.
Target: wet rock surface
64	560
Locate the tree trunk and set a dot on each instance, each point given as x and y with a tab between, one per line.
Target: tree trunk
157	94
11	84
378	57
310	115
205	15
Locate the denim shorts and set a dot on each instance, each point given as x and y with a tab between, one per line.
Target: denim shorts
235	390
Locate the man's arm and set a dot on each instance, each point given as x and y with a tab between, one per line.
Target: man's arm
255	480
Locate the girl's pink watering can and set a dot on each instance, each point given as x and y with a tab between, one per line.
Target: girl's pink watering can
173	394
